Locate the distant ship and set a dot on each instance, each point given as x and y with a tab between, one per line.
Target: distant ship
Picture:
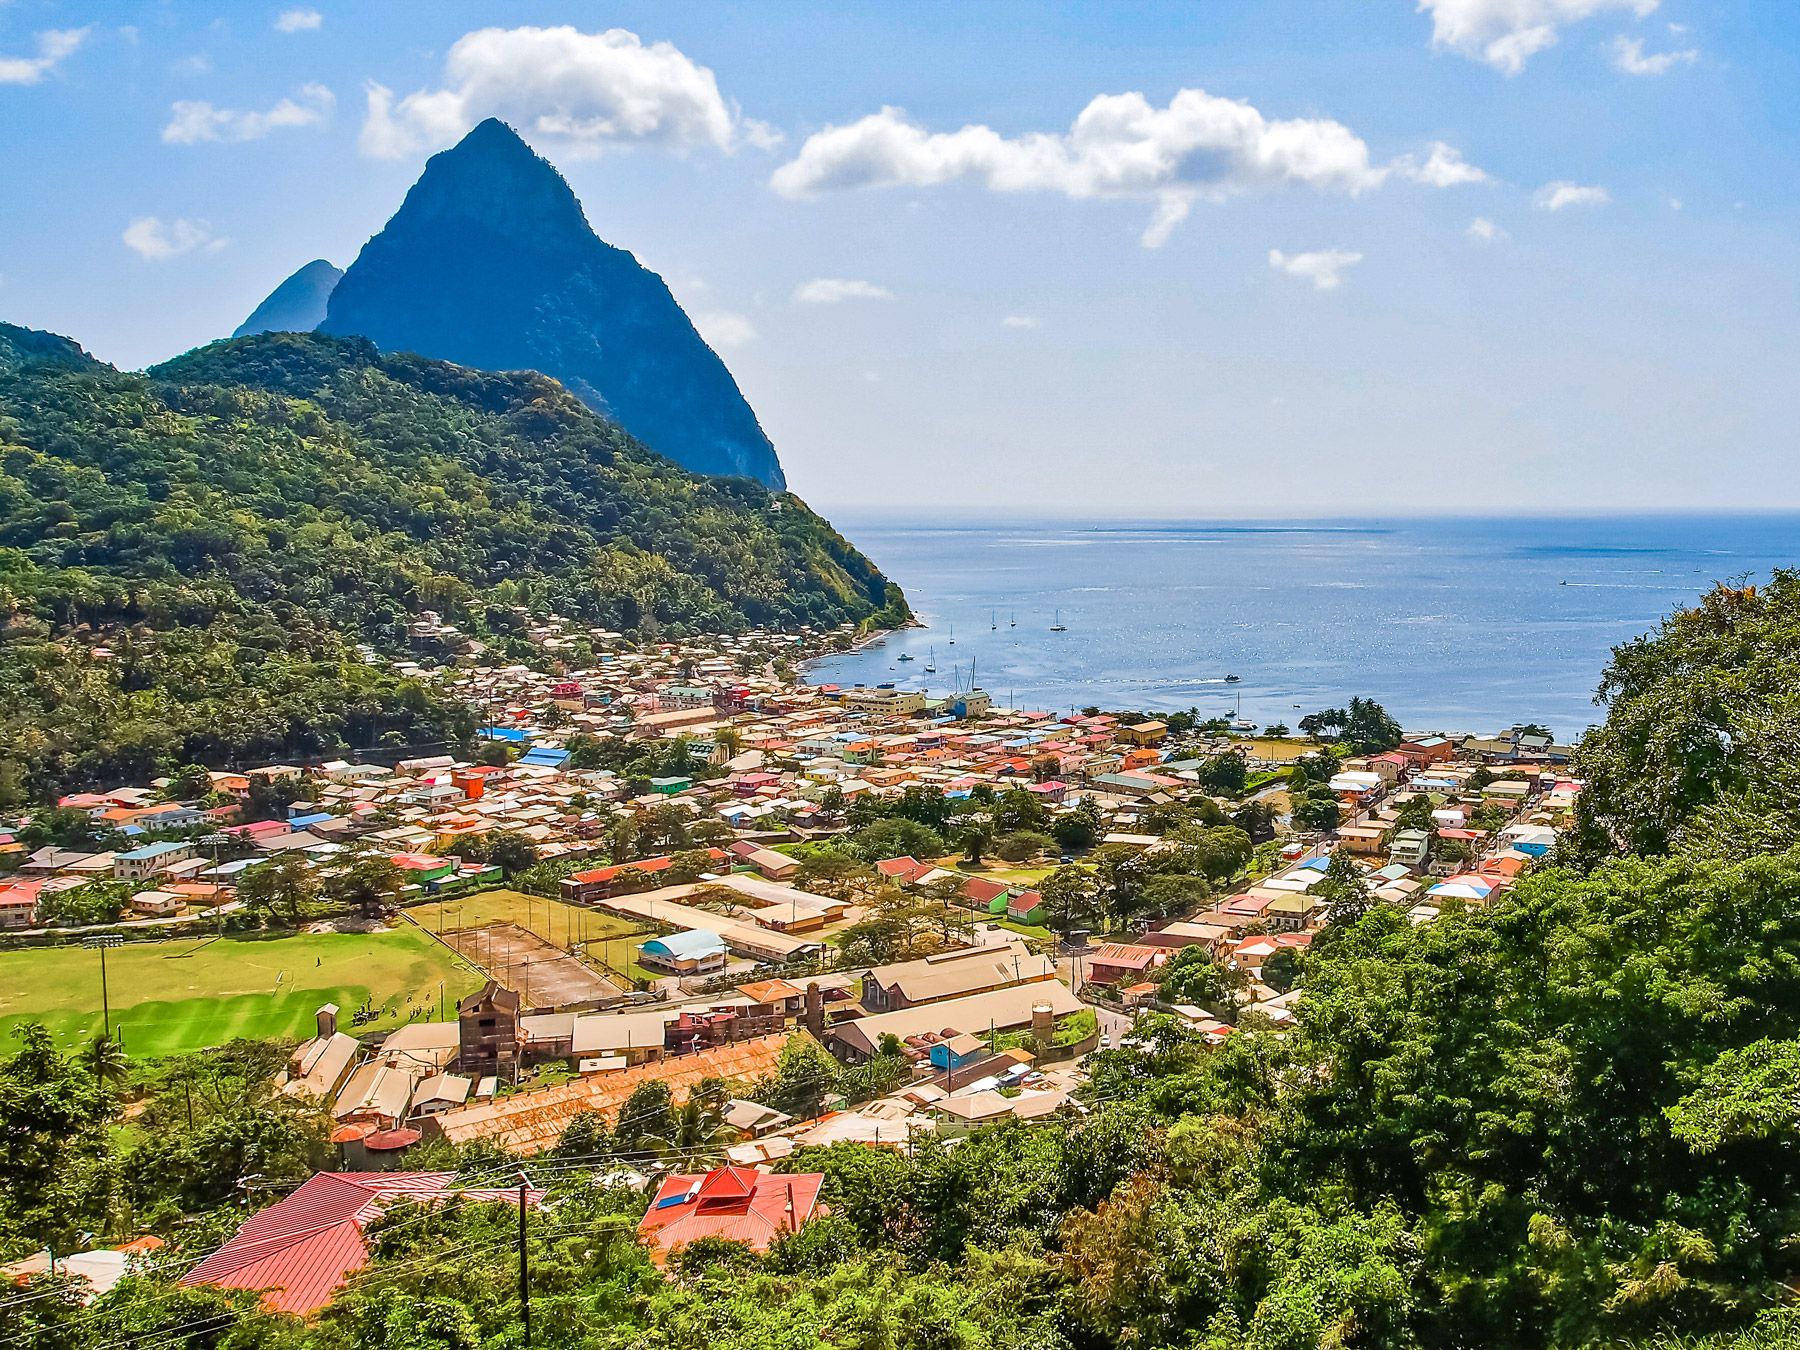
993	620
952	635
907	656
1229	679
1059	626
1012	621
931	662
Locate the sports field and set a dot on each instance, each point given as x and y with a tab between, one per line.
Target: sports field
605	935
177	996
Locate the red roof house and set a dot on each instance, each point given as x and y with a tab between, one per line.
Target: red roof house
1113	961
586	887
904	870
739	1204
301	1249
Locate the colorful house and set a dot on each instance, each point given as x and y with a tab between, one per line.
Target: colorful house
739	1204
1025	907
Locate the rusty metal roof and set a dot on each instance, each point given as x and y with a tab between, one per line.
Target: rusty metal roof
533	1121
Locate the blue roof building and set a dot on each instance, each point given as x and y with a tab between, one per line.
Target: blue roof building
683	953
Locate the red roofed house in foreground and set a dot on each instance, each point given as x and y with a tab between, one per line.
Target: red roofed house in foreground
301	1249
739	1204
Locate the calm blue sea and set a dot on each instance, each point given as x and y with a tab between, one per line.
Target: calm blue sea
1464	625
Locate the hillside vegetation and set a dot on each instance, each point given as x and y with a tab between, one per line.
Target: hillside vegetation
189	557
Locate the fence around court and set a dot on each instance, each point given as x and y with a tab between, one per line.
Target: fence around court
586	955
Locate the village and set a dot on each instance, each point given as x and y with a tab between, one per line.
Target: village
673	867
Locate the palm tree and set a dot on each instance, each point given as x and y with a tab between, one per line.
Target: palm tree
727	742
105	1057
697	1133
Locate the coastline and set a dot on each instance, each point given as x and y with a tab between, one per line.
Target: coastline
1462	624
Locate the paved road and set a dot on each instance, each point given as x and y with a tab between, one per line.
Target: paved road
1113	1025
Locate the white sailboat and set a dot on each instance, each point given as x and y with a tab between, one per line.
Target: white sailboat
1059	626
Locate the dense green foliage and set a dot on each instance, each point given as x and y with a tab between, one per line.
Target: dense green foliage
1700	751
1565	1120
189	558
1365	725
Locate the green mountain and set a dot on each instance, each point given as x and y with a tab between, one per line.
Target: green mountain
490	262
189	557
298	304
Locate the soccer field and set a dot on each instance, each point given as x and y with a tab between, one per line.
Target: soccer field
178	996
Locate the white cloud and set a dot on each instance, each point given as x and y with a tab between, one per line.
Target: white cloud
1508	33
1484	231
150	238
1444	167
1558	195
1020	321
298	20
836	290
54	46
1674	203
197	64
1119	146
1628	56
1324	268
721	328
580	92
192	120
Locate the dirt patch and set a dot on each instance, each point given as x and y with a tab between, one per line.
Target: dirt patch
543	975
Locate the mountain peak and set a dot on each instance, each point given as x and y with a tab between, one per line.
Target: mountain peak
298	304
490	262
492	178
492	131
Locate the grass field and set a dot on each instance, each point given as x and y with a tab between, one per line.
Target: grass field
183	995
552	920
1016	876
1278	750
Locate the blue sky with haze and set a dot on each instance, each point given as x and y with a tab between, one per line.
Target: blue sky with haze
1212	259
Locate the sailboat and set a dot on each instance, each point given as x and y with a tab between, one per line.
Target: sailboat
1012	621
1059	626
1238	724
993	620
931	662
952	635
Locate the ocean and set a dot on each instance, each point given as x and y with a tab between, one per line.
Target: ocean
1453	625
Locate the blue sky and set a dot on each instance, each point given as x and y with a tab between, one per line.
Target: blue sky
1208	259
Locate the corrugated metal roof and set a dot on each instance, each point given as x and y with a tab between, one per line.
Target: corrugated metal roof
739	1204
530	1122
300	1249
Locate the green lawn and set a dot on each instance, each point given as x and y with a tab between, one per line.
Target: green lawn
1016	876
186	994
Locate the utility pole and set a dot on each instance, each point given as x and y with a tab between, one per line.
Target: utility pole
102	941
216	842
524	1264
